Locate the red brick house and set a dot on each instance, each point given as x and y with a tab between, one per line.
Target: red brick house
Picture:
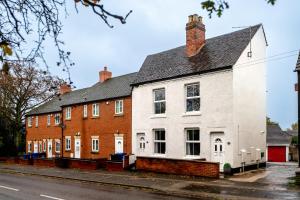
88	123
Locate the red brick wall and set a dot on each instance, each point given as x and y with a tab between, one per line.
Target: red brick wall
43	131
104	126
180	167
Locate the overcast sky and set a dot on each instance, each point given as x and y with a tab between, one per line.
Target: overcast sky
158	25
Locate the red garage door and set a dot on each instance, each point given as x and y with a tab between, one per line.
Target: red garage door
277	154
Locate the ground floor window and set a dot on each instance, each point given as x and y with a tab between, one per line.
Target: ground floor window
44	145
40	147
159	141
29	147
68	143
95	144
57	146
193	142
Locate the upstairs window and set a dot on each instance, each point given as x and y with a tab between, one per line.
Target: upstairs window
192	97
159	101
68	113
85	112
36	121
159	141
95	110
119	107
193	142
57	119
48	120
29	120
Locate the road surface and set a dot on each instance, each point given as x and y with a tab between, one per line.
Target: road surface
23	187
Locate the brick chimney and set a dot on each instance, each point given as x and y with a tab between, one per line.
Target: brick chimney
195	35
104	75
64	88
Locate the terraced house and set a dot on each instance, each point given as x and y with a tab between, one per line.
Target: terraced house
88	123
205	100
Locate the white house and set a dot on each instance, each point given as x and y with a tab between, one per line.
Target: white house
204	100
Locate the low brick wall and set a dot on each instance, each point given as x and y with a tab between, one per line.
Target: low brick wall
113	166
83	164
13	160
44	162
177	166
25	162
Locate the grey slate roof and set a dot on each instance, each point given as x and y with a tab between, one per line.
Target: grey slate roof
298	63
276	136
112	88
218	53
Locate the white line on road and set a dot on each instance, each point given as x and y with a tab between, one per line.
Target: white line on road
9	188
49	197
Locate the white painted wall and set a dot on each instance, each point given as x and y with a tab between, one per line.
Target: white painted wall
232	101
249	102
216	95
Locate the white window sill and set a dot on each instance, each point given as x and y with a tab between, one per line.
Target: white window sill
187	114
158	116
191	157
157	155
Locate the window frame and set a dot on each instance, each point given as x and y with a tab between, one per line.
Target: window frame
95	144
85	111
48	120
55	119
159	141
192	142
95	110
44	146
159	101
57	142
68	113
193	97
36	121
121	105
68	144
29	121
29	146
40	147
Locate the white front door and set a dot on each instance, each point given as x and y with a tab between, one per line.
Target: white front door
49	149
141	143
118	144
77	148
35	147
217	149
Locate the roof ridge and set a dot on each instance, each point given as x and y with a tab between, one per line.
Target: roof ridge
225	34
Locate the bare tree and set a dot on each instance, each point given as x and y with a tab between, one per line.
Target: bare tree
42	20
23	87
218	6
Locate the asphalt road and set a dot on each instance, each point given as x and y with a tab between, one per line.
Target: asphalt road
23	187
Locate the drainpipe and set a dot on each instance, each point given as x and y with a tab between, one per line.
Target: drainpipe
62	133
298	95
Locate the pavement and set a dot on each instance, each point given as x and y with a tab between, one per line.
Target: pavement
276	182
